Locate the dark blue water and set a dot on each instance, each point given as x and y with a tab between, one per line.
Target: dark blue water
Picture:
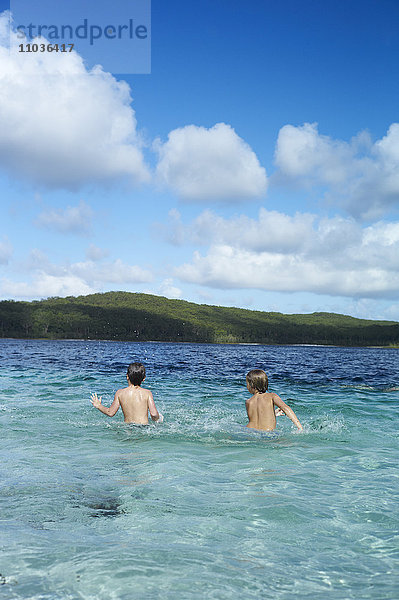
199	506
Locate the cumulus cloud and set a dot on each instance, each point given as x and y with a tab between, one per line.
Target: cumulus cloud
333	256
272	230
74	219
63	125
5	251
110	272
210	164
169	290
303	152
49	279
44	286
362	176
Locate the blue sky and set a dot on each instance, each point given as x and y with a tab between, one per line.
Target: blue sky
257	165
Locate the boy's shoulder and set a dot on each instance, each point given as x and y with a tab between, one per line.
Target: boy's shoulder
128	393
260	397
129	390
121	391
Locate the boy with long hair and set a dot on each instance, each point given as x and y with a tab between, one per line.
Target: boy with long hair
261	406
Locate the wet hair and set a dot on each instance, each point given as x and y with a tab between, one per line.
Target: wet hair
257	380
136	373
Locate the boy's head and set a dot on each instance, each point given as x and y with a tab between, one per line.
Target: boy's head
136	373
257	381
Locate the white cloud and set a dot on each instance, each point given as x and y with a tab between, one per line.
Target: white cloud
210	164
74	219
362	176
5	251
273	230
303	152
333	256
62	125
228	267
49	279
169	290
110	272
44	285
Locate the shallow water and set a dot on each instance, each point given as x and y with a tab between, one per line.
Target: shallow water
199	506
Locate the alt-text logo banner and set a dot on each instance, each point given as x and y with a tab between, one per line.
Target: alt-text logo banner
115	35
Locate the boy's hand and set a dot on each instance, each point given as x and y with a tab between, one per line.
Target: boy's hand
95	400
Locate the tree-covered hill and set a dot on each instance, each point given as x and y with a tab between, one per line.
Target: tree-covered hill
143	317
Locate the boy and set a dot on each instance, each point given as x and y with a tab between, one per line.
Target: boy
134	400
260	407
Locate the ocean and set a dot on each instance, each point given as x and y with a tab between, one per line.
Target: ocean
198	506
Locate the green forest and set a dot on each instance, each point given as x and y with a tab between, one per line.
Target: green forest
143	317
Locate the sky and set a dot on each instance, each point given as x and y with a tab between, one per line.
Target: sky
256	165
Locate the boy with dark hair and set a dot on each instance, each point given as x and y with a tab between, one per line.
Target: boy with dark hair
261	406
134	400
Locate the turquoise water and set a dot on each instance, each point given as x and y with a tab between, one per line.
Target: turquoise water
199	506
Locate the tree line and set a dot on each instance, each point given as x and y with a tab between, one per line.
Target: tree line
143	317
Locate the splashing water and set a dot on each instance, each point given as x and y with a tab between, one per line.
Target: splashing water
199	506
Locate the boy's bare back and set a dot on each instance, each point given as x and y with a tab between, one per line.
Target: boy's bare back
135	403
261	406
260	410
134	400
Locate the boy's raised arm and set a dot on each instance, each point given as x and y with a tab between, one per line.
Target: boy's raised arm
155	415
287	410
107	410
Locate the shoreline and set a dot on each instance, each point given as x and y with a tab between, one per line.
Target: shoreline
302	345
